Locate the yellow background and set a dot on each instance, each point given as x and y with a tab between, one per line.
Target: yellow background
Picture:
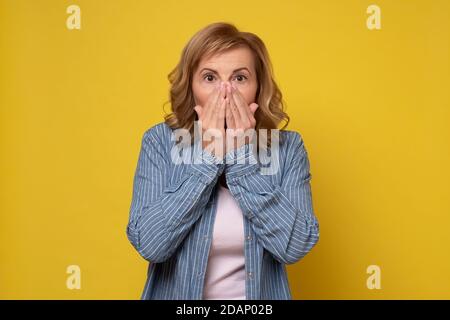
372	106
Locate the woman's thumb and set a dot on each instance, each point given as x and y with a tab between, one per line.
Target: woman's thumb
199	111
253	107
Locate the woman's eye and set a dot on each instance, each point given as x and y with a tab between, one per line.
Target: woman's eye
211	77
208	77
241	78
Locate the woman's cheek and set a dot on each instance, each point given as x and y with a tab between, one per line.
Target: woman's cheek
248	94
207	90
202	93
205	95
247	90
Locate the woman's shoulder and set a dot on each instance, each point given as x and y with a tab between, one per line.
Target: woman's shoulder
291	139
159	132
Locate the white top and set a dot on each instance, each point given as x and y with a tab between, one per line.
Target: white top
225	271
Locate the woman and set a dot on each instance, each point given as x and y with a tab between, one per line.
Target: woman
220	226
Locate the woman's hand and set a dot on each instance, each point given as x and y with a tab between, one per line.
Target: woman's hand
212	121
240	119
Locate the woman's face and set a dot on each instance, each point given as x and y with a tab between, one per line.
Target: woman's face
232	66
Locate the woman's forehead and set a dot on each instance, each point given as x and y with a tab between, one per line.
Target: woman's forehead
232	58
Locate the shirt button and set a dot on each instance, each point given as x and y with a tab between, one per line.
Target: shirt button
249	237
250	275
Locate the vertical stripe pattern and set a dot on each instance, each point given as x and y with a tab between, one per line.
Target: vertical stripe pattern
173	208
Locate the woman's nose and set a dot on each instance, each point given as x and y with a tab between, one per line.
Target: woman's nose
227	86
224	85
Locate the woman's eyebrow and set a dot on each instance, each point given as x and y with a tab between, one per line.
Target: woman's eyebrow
238	69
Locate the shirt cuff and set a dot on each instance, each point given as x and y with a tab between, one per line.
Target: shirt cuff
241	161
206	165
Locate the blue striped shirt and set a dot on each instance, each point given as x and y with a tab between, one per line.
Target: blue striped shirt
173	208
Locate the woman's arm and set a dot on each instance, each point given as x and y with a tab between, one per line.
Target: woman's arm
281	216
161	216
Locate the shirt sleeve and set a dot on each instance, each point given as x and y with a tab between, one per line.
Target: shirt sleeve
162	214
281	216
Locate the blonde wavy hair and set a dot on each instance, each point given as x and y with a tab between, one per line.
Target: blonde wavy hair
217	38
